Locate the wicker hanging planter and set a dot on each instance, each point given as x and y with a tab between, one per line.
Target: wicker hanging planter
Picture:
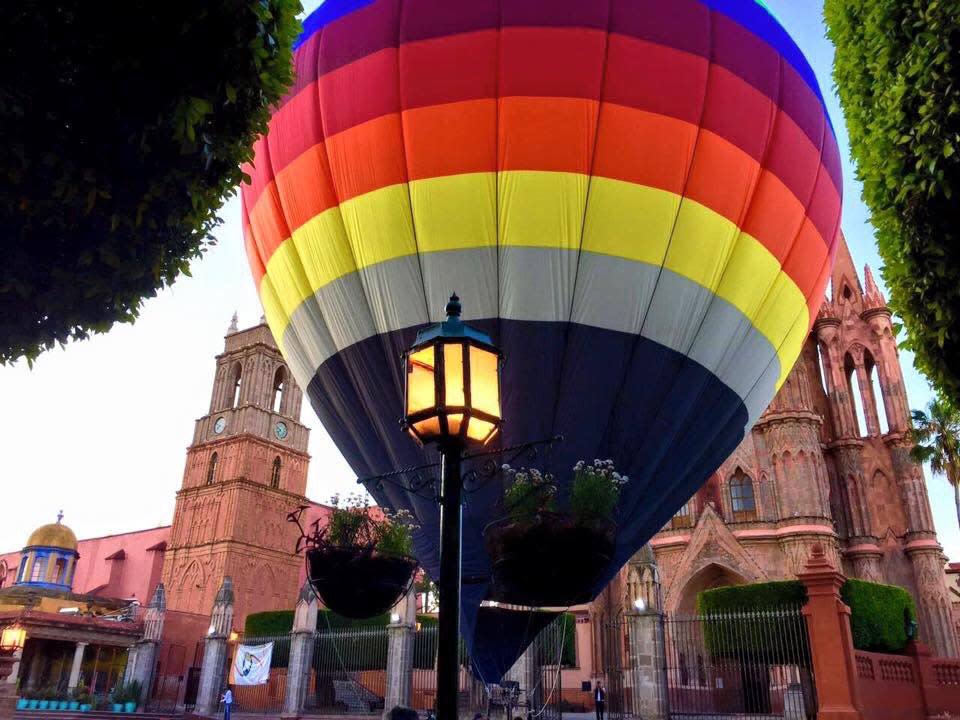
547	559
358	582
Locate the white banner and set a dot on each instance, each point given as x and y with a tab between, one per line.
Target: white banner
251	665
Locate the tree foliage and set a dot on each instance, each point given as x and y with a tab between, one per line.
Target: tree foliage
124	126
897	71
936	434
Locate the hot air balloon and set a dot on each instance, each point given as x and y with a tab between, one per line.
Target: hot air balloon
637	200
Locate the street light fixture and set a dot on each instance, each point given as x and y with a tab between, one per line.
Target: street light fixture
12	639
452	400
453	384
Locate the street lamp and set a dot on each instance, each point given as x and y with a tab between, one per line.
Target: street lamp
452	400
12	638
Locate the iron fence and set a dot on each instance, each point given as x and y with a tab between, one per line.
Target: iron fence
753	664
744	664
265	699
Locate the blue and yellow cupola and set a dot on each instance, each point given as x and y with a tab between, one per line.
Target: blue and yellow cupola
49	559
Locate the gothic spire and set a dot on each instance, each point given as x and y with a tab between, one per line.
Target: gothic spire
233	323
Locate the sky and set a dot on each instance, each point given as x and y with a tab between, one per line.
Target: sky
100	429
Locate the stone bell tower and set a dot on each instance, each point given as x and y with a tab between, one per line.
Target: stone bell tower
245	470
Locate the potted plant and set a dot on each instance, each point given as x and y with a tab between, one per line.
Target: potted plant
34	699
45	694
83	697
360	564
23	702
118	698
543	556
62	702
131	696
74	703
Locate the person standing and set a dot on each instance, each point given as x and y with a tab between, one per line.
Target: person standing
227	701
600	700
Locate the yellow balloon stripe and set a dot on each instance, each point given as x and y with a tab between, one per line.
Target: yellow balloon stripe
541	209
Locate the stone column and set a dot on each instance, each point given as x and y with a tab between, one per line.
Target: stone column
213	670
933	603
301	651
143	655
77	664
647	665
14	677
831	644
400	637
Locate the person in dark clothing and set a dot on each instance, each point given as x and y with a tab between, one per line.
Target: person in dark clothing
600	700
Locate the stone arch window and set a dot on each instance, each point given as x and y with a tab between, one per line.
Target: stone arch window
743	502
873	373
236	375
853	389
822	367
279	384
683	518
275	473
847	292
212	468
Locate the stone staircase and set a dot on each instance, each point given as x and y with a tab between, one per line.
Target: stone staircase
354	697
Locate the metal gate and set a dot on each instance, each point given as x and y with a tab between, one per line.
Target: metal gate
753	664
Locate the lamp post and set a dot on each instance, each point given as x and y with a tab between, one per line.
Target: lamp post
12	640
451	400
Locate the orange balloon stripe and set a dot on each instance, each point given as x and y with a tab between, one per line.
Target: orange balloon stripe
459	67
372	156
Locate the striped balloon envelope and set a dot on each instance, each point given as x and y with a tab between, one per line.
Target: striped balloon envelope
639	200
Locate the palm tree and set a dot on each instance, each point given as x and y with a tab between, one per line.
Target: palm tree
936	434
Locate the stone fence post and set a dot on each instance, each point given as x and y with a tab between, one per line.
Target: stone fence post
401	633
301	651
647	663
831	644
214	667
143	655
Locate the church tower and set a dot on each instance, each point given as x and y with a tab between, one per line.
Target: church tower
245	470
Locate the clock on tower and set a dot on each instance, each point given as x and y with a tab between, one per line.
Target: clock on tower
246	469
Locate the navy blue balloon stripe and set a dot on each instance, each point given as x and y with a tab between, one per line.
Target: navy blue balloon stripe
675	426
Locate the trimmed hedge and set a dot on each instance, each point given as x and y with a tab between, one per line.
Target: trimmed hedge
879	615
280	622
749	638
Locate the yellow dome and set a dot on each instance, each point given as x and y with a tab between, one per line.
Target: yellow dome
55	535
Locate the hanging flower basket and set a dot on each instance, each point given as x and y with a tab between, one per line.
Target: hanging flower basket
358	582
547	559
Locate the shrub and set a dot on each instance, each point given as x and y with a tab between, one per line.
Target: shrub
121	140
270	622
879	615
748	637
897	72
530	492
354	523
595	491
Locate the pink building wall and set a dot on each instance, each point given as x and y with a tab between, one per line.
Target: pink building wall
126	565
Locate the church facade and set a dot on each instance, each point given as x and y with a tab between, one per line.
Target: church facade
827	463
